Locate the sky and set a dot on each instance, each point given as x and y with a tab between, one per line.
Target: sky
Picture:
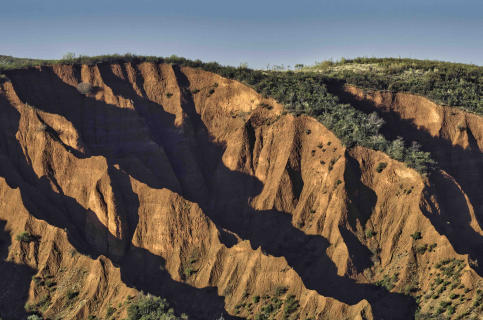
256	32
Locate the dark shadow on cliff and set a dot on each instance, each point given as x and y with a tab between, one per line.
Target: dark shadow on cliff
65	212
15	280
146	271
271	230
453	219
362	199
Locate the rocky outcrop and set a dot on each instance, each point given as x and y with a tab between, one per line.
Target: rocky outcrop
184	184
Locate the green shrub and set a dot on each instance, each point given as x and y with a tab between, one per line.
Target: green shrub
438	311
276	302
444	304
211	91
421	249
260	316
71	294
369	233
148	307
280	291
84	88
24	237
268	309
408	289
109	312
387	282
189	271
290	305
416	235
28	307
450	310
168	95
381	166
44	301
256	299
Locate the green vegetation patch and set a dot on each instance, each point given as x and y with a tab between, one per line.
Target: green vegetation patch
148	307
453	84
388	282
24	237
416	235
381	166
369	233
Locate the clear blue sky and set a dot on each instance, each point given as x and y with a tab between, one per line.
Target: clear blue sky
257	32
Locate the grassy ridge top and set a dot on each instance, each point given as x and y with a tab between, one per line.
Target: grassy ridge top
395	63
452	84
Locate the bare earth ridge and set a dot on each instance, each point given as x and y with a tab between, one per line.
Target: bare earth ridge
192	187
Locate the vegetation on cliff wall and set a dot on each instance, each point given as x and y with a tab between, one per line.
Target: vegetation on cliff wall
147	307
302	93
452	84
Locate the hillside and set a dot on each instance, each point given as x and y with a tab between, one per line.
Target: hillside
270	198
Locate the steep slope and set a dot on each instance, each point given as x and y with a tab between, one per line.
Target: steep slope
112	213
201	191
454	139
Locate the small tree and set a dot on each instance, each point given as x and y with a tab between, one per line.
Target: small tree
71	294
110	311
369	233
280	290
416	235
84	88
24	237
69	56
381	166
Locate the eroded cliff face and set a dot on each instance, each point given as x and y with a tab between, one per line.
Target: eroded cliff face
193	187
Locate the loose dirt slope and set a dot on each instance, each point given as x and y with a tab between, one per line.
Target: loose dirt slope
192	187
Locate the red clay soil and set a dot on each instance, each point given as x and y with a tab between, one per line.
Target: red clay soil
152	183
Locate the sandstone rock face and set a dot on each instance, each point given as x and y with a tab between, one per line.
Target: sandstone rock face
153	183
